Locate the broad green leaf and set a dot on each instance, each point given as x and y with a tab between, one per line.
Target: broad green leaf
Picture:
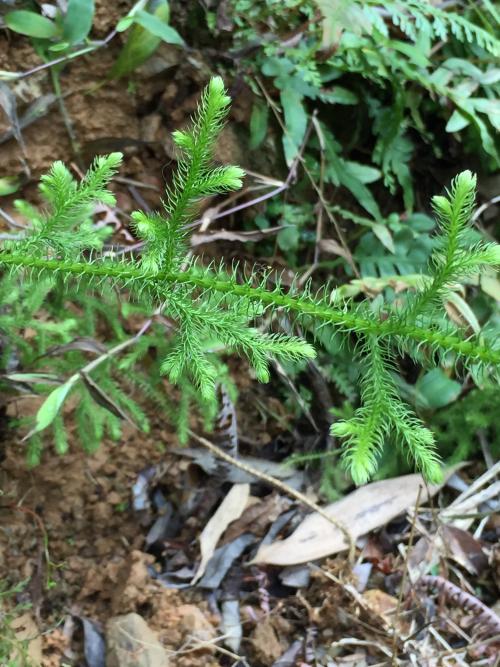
258	124
295	122
489	107
339	95
363	172
288	238
9	185
77	21
456	122
159	28
465	89
140	45
461	66
365	198
466	106
51	406
60	46
124	23
435	389
491	76
384	236
414	54
343	172
340	15
31	24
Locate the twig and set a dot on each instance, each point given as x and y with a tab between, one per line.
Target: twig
319	221
484	207
300	497
68	123
299	158
405	575
10	220
80	374
62	59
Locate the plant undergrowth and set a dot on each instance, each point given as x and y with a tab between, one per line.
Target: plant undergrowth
191	312
14	651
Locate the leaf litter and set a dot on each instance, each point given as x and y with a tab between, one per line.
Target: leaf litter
144	523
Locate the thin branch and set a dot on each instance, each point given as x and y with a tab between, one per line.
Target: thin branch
300	497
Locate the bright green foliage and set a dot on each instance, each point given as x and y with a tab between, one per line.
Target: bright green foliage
147	29
407	70
214	310
13	651
70	28
382	411
455	258
461	426
193	180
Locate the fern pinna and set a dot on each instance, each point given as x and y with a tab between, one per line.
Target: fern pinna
211	306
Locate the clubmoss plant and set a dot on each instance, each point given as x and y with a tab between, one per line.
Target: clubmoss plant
208	303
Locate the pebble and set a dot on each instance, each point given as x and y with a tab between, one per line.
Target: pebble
131	643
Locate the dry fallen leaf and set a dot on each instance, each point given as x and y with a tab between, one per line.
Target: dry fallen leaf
227	235
384	606
334	248
26	629
363	510
229	510
266	643
463	548
258	516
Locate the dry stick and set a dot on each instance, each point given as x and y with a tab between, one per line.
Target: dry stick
484	207
300	497
323	201
319	222
404	577
103	357
68	123
62	59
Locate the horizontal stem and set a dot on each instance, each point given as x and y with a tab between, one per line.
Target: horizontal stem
348	320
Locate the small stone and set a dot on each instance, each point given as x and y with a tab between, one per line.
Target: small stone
130	642
114	498
194	624
267	646
133	583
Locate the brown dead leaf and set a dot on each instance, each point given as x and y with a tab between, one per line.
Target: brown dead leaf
227	235
26	629
266	643
229	510
363	510
381	604
257	517
464	549
194	624
334	248
421	557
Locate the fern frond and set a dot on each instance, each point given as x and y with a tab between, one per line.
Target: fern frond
416	16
